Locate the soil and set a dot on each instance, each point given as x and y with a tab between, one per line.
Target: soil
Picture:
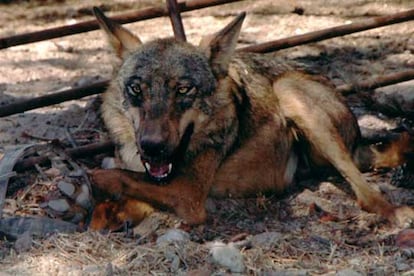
321	230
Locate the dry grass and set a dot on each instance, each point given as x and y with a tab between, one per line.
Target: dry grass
334	236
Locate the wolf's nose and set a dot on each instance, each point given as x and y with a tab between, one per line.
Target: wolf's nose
153	148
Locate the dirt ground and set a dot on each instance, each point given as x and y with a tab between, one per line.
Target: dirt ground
316	229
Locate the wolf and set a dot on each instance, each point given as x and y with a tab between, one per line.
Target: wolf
208	121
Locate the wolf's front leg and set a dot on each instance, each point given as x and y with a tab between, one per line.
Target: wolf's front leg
185	194
182	195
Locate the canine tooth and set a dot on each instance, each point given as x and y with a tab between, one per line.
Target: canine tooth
169	168
147	166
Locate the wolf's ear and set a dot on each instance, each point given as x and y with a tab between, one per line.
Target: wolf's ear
220	47
122	40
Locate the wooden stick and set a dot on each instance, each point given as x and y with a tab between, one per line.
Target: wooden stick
54	98
176	20
88	150
100	87
341	30
265	47
389	79
91	25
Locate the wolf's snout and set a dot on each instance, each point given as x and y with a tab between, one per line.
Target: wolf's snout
155	157
153	147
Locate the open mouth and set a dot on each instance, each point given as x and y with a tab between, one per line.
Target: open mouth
161	169
158	171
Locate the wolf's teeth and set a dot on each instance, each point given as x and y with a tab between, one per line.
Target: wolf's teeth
163	171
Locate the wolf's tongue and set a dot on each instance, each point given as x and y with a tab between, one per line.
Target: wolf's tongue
158	170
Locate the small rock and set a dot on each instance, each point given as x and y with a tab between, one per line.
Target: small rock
228	256
84	198
173	235
266	240
66	188
109	163
59	205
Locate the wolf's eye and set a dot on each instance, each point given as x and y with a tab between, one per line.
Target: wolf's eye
134	89
184	89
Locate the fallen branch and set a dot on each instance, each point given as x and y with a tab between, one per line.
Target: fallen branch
389	79
100	87
97	88
176	21
54	98
88	150
341	30
91	25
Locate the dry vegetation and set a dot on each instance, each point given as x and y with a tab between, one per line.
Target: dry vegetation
314	229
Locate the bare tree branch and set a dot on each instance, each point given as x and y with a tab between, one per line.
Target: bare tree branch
341	30
176	20
97	88
91	25
389	79
54	98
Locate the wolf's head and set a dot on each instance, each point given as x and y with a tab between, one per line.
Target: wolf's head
166	86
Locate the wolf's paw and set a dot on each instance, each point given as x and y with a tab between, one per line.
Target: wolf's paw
107	180
112	215
403	216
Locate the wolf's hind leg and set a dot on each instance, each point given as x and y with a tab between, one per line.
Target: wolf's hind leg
318	128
